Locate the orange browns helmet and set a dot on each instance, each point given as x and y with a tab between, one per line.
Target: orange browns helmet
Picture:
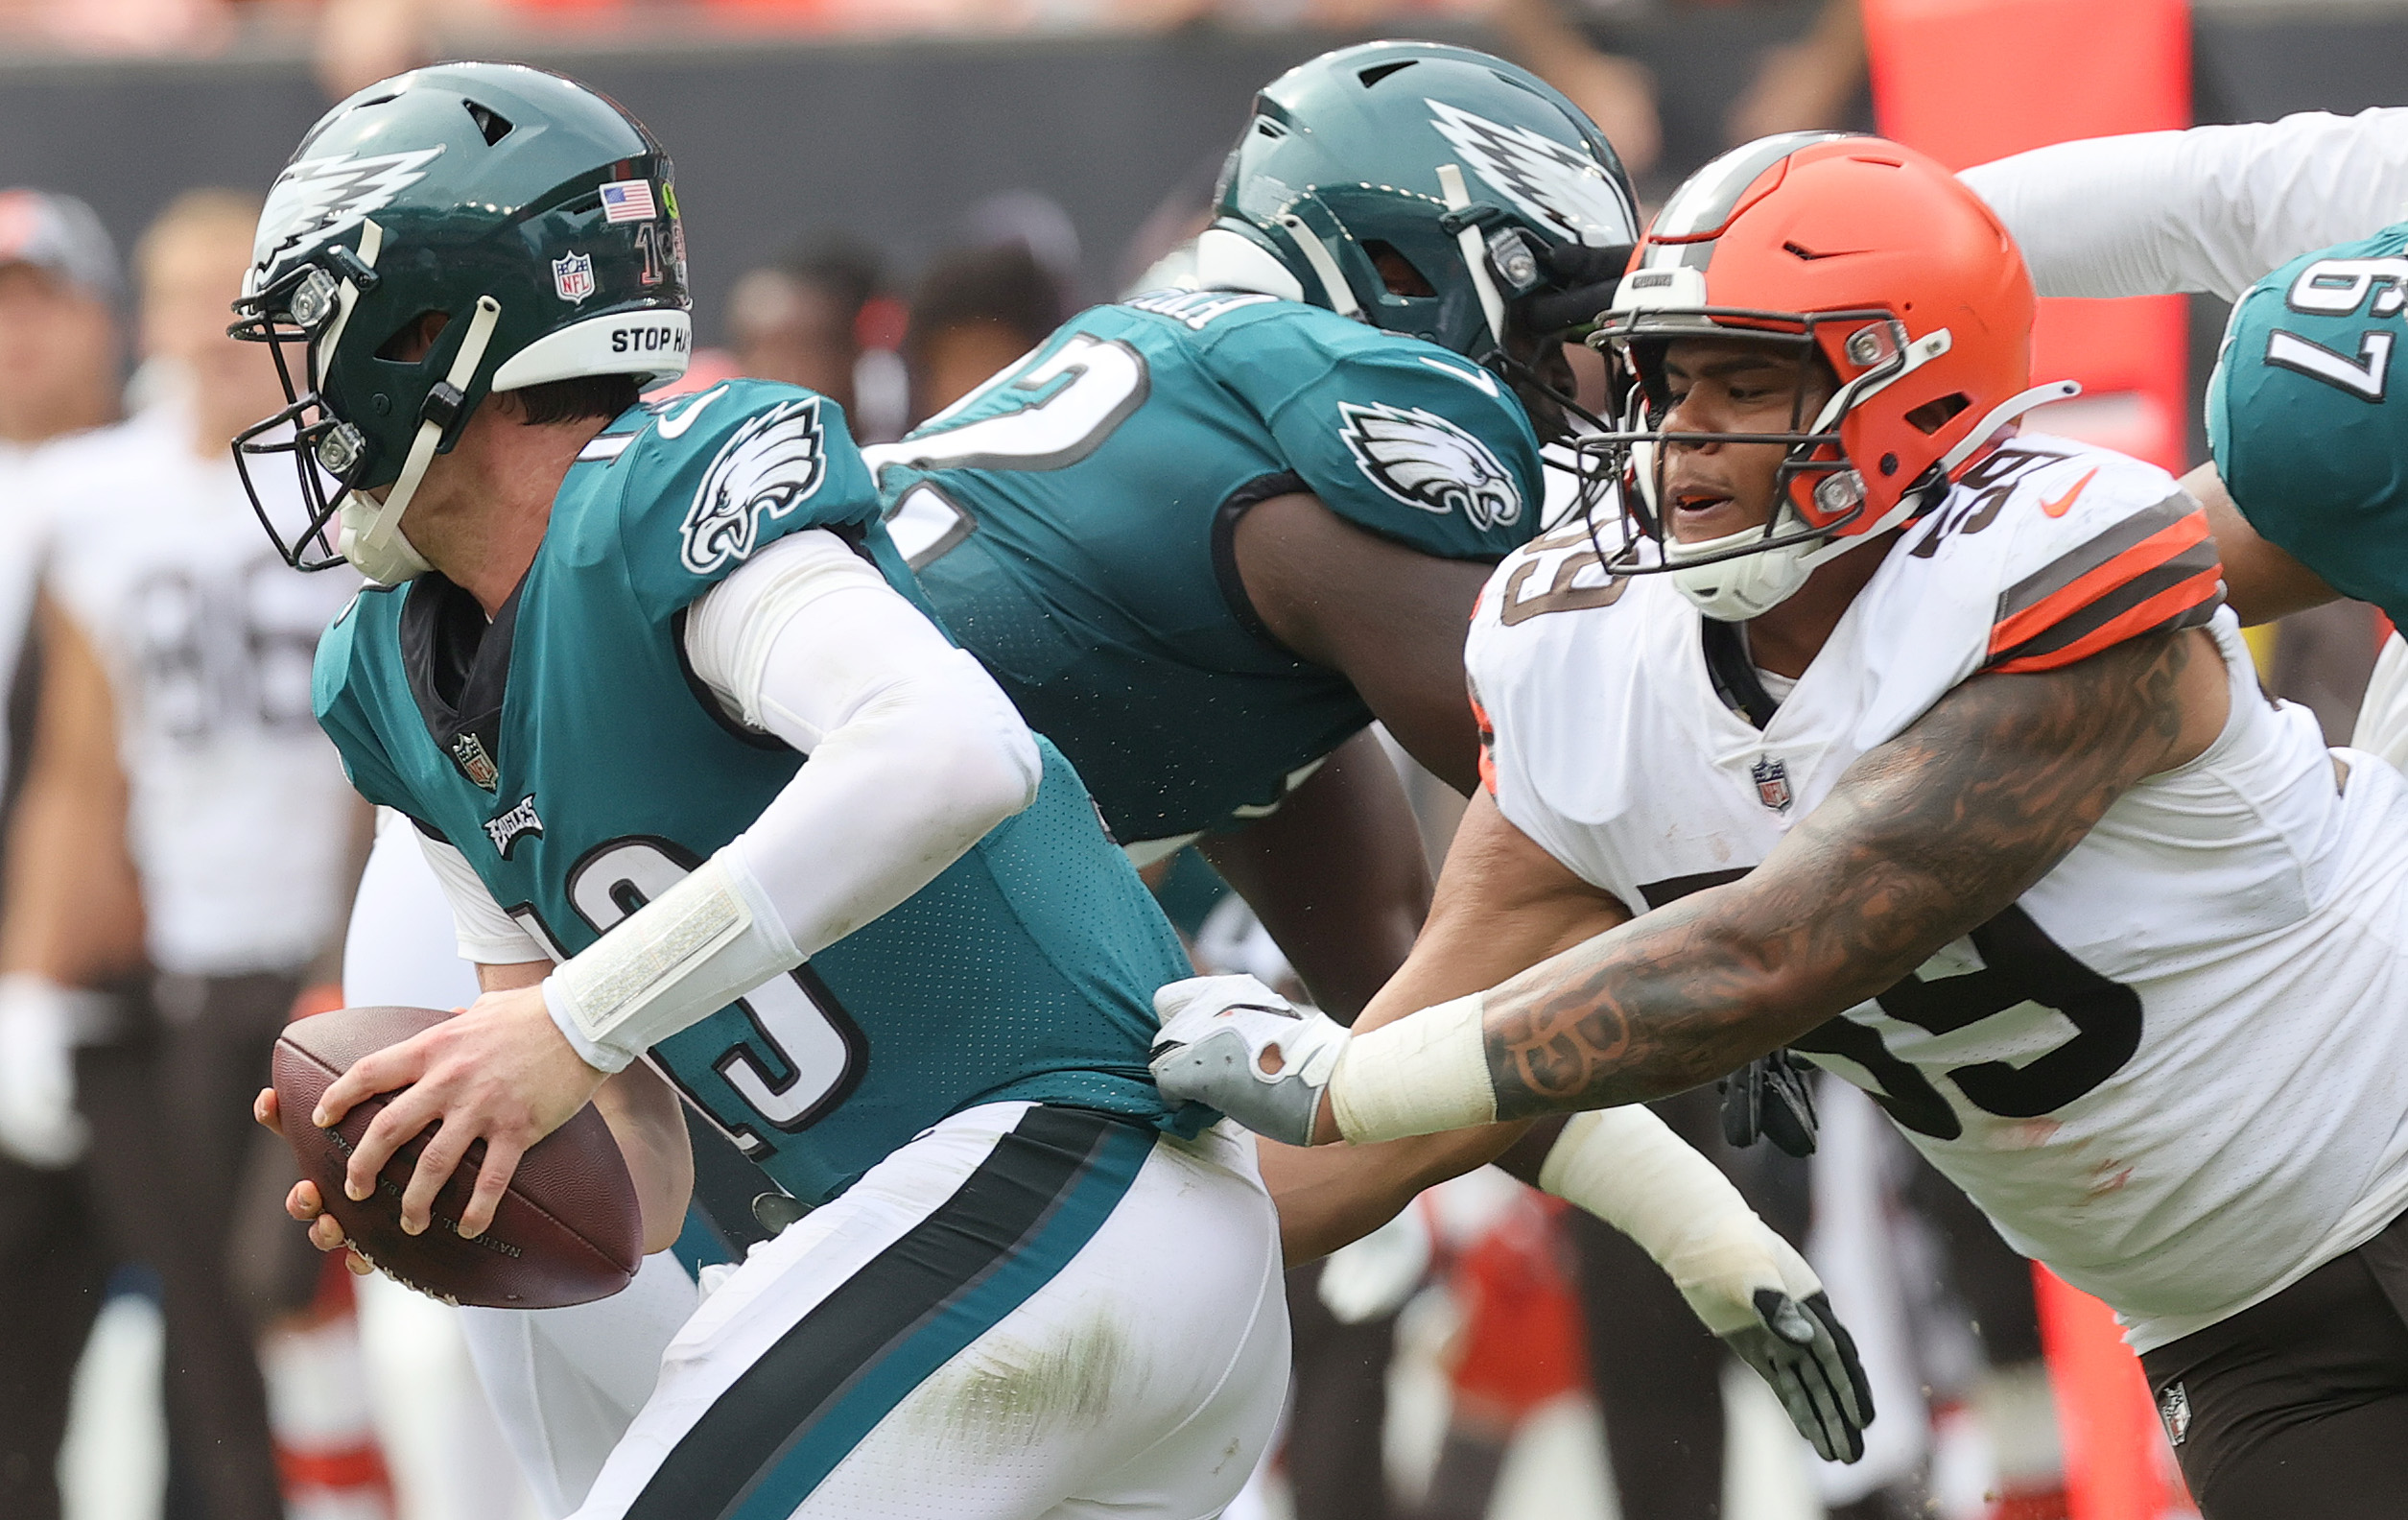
1870	256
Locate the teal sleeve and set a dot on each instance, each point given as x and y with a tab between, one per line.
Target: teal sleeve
744	471
1408	441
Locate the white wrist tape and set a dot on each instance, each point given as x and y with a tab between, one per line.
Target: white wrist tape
677	960
1624	1166
1424	1073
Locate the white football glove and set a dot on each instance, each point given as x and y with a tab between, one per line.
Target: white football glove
39	1123
1231	1043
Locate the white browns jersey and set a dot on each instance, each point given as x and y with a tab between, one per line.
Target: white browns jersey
241	819
2171	1070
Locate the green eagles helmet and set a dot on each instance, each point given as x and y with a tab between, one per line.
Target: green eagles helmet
534	215
1504	198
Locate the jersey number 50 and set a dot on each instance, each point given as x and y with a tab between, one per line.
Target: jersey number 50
801	1056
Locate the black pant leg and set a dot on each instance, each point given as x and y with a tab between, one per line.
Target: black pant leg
217	1403
2298	1407
53	1272
1335	1421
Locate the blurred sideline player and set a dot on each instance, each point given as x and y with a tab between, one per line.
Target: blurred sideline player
2119	937
2303	224
799	320
184	670
1203	537
1022	1289
1760	1254
975	311
66	1217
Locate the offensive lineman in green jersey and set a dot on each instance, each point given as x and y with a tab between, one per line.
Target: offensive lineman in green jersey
910	977
1204	538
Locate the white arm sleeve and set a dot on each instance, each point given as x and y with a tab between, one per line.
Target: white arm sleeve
2211	209
915	755
488	935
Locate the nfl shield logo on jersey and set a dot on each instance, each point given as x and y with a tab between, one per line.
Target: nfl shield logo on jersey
469	752
573	277
1772	784
2173	1408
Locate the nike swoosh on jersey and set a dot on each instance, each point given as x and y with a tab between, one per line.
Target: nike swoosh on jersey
2062	505
675	426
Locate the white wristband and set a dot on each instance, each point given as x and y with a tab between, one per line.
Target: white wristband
677	960
1627	1167
1424	1073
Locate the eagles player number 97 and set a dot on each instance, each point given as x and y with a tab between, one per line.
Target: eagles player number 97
803	1055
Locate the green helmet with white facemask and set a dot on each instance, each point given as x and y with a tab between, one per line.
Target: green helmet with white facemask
527	222
1501	196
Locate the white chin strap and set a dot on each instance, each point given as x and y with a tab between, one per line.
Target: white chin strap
1735	590
370	535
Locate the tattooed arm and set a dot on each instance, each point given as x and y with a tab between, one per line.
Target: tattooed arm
1503	903
1924	839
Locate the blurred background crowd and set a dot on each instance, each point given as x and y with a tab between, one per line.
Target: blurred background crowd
887	201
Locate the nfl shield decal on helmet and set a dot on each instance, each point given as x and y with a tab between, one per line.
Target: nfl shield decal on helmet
573	277
1772	784
2173	1408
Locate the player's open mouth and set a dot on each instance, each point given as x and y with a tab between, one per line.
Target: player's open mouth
1698	515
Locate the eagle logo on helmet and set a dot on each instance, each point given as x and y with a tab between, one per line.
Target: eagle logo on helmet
317	198
1555	184
772	465
1424	461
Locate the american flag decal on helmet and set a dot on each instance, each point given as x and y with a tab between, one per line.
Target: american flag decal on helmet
628	200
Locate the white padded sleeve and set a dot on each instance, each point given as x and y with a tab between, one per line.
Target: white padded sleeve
915	753
488	935
2209	209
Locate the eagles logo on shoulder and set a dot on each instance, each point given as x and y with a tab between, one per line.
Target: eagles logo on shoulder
1424	461
770	467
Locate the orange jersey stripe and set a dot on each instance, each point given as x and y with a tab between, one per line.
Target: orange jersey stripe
2138	560
2167	605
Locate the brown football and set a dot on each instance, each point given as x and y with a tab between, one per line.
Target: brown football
568	1230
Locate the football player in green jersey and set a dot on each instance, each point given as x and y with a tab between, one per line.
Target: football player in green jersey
909	977
1204	538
